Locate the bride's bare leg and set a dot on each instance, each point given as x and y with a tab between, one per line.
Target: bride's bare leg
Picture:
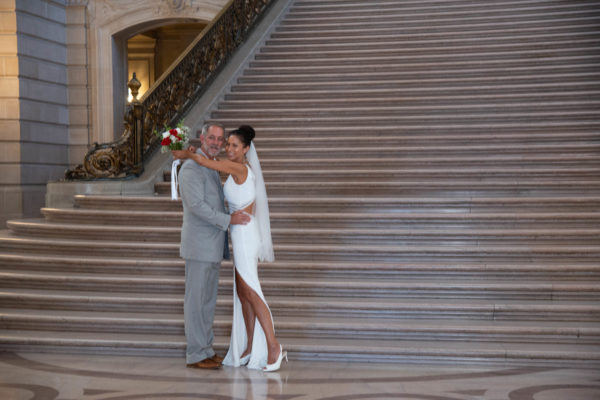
261	311
247	312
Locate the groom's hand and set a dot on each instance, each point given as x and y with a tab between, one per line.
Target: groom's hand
239	218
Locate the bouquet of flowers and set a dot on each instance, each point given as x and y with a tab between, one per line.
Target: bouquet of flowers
175	139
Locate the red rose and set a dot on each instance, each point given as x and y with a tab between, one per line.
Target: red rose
173	132
166	141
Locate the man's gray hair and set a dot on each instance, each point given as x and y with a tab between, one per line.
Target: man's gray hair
207	126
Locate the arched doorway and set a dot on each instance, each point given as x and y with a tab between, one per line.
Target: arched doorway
148	50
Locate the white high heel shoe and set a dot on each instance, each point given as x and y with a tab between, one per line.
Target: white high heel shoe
245	360
277	364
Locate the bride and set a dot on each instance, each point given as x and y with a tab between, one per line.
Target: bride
252	344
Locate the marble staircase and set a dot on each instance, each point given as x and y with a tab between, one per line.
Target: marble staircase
433	175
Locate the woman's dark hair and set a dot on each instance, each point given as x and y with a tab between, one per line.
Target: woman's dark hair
245	133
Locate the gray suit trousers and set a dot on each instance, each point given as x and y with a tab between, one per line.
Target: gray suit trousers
201	286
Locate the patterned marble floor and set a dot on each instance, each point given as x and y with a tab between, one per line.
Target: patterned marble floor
81	377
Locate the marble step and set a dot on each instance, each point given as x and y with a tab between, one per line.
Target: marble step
393	172
460	92
482	36
439	18
391	110
425	68
399	22
482	158
389	137
423	85
328	34
447	188
342	219
97	203
473	119
325	9
319	234
382	289
413	5
365	271
533	354
564	27
507	56
479	49
311	327
373	101
397	152
314	306
483	161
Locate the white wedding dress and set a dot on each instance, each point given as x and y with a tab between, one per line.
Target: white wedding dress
246	242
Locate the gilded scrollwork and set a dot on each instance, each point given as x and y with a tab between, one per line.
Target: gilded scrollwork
171	98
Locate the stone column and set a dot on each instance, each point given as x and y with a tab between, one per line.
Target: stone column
33	103
77	78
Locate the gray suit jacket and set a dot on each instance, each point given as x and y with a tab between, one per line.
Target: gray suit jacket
205	220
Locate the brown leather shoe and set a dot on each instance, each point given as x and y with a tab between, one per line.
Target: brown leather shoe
205	364
217	358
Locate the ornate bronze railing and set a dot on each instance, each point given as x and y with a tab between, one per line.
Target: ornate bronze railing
170	98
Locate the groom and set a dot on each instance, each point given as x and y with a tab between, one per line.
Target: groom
203	246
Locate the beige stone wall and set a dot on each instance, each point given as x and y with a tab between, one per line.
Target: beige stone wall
10	171
33	103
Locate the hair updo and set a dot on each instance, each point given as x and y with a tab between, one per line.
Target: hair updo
245	133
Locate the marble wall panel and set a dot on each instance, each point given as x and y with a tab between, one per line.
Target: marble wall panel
9	130
8	44
9	86
37	131
38	26
35	174
76	35
11	203
78	116
9	108
77	75
10	174
38	48
44	153
33	198
10	152
77	153
43	91
77	95
77	55
42	70
9	65
8	22
53	10
44	112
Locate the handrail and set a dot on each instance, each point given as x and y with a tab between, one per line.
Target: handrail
171	96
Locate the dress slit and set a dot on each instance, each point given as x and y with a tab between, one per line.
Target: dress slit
246	265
